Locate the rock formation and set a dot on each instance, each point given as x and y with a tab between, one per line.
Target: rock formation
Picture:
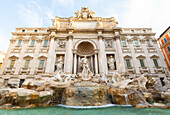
75	91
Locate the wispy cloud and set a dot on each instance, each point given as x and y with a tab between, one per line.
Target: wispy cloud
147	13
4	38
38	13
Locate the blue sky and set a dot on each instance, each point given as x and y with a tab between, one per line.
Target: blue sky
38	13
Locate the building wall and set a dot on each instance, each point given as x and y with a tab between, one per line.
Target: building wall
164	46
98	32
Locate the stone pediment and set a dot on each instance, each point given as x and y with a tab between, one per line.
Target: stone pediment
13	57
154	56
28	57
42	57
127	57
140	56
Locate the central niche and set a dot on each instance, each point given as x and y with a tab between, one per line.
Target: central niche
85	48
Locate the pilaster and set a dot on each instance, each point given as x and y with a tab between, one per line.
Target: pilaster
51	55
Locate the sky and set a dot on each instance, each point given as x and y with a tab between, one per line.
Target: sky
38	13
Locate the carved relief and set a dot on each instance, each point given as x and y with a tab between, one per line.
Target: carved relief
99	23
61	44
84	14
56	23
108	43
70	24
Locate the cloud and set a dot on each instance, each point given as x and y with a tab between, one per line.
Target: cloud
147	13
31	15
4	38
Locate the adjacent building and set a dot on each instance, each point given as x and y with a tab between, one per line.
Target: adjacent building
2	56
164	42
84	42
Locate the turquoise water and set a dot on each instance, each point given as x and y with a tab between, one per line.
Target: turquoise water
95	111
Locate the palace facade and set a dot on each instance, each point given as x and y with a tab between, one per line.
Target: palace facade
107	49
164	42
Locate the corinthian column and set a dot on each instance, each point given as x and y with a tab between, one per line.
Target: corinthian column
51	56
69	55
102	56
121	64
96	63
75	63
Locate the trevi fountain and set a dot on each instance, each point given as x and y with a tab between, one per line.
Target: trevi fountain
91	74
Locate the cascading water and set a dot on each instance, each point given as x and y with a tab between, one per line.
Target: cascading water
126	98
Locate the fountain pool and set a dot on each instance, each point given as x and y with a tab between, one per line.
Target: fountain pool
59	110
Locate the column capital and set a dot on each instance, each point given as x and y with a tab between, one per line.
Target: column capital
117	37
53	35
69	37
100	37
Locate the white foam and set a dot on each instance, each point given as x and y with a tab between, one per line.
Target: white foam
89	107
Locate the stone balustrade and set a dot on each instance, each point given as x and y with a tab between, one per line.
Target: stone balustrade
24	70
144	70
131	70
9	70
39	70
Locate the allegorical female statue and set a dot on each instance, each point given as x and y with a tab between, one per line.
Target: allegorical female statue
111	63
59	64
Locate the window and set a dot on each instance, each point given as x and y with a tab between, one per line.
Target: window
136	43
32	42
12	63
168	48
132	31
144	31
23	30
142	63
123	42
35	30
165	40
128	64
41	64
19	43
48	30
27	63
155	62
45	42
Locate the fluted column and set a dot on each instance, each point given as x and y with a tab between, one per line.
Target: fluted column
75	63
51	57
69	55
96	63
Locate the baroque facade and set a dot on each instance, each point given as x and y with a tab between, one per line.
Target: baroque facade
82	45
164	42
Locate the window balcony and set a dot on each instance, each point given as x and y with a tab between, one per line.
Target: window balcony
159	69
144	69
149	45
24	70
9	70
44	50
130	70
39	70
